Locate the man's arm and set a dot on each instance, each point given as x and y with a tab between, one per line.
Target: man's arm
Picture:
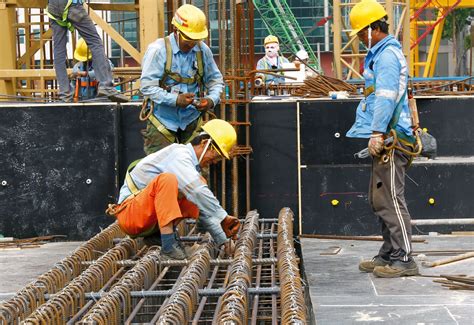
153	66
387	89
212	76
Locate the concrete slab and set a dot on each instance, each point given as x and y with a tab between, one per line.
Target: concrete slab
20	267
341	294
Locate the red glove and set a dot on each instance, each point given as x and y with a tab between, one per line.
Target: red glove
375	144
231	226
205	104
184	100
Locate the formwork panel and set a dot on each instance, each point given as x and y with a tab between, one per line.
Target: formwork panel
57	168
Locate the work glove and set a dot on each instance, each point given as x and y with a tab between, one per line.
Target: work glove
184	100
205	104
375	144
231	226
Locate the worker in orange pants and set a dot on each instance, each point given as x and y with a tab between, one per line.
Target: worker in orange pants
165	187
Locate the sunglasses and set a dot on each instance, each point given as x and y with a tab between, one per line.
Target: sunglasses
361	33
216	148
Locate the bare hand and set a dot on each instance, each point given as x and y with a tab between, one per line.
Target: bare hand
231	226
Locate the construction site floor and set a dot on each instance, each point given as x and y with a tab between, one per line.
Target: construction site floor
18	267
341	294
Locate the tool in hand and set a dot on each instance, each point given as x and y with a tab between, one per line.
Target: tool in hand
364	153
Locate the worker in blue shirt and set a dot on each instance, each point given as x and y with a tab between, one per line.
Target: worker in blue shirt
180	81
271	60
165	187
85	83
384	112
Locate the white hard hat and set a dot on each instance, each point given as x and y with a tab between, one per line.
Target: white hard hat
302	55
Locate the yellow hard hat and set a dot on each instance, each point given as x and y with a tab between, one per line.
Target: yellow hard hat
271	39
82	52
223	135
191	21
365	13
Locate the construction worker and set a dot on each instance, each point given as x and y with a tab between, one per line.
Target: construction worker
385	109
180	81
271	60
69	15
301	61
165	187
85	84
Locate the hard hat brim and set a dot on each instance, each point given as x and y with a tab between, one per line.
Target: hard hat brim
82	58
196	36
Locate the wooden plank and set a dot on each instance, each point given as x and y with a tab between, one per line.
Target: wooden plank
127	47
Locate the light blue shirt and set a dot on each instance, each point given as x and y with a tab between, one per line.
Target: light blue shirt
153	68
86	92
181	161
269	79
385	67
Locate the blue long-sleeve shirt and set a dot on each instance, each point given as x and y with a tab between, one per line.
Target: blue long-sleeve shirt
386	69
181	161
153	68
264	64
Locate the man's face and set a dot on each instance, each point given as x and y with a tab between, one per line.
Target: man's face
363	35
212	156
185	44
271	49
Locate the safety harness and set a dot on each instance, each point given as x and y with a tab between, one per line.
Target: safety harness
148	105
63	21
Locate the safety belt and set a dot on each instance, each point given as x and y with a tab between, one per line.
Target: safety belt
63	21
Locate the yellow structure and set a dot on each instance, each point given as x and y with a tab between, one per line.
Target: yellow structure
419	28
16	67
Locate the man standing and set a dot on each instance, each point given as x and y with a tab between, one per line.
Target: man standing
165	187
69	15
383	110
271	60
180	81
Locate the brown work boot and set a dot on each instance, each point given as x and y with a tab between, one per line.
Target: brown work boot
176	253
369	265
112	94
397	269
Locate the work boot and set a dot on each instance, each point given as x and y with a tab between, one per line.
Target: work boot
397	269
369	265
112	94
176	253
66	97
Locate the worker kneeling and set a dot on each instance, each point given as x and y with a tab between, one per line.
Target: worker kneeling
165	187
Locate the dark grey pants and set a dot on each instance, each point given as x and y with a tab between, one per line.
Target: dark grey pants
81	21
387	198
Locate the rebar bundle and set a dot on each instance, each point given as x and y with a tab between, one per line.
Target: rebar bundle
64	304
28	299
234	305
115	305
293	307
178	309
320	86
114	280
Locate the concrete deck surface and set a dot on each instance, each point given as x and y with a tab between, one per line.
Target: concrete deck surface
18	267
341	294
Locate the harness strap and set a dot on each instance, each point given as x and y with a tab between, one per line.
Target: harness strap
63	21
198	77
129	180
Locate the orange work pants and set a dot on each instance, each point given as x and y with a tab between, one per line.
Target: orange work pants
156	205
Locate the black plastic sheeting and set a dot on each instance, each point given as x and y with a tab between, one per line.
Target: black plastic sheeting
57	169
329	170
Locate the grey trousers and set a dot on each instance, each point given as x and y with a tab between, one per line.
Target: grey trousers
387	199
81	21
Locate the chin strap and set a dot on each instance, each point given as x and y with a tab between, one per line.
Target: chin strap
205	149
